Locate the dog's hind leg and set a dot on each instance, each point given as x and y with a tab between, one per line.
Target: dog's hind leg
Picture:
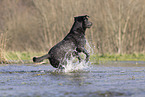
61	67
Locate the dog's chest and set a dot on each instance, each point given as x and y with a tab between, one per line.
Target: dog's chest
81	40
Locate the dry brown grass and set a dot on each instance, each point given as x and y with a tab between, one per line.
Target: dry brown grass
3	39
34	25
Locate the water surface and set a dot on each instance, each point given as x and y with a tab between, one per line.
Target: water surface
122	79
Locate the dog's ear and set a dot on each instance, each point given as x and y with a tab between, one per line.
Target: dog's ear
79	18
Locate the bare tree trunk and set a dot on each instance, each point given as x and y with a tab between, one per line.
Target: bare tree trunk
119	32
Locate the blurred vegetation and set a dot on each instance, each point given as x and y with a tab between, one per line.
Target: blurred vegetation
25	57
2	48
37	25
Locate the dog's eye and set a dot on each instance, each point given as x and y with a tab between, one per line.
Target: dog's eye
85	18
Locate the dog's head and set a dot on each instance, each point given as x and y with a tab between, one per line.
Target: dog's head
84	21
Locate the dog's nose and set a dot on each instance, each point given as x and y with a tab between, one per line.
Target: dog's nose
91	23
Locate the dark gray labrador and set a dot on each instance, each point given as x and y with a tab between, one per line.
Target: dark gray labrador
72	44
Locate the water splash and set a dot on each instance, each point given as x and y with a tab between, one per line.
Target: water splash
89	48
73	65
76	66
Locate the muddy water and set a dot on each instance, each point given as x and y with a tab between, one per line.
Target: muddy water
104	80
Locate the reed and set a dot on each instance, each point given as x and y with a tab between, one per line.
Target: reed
3	39
37	25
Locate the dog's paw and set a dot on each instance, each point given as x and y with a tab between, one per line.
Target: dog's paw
86	60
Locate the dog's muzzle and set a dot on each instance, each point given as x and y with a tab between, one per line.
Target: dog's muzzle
89	24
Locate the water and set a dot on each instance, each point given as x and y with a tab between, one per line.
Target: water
123	79
76	66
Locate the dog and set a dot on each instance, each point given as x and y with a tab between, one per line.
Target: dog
72	44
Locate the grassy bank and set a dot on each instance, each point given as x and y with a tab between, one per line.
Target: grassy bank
21	57
118	57
26	57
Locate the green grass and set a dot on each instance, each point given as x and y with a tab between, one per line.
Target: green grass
120	57
21	57
26	57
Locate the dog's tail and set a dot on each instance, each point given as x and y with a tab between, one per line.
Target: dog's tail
39	59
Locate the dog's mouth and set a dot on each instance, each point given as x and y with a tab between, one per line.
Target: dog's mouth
89	25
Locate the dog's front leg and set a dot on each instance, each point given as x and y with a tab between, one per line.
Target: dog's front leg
87	55
76	54
82	49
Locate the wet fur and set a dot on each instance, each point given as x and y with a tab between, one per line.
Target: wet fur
73	44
